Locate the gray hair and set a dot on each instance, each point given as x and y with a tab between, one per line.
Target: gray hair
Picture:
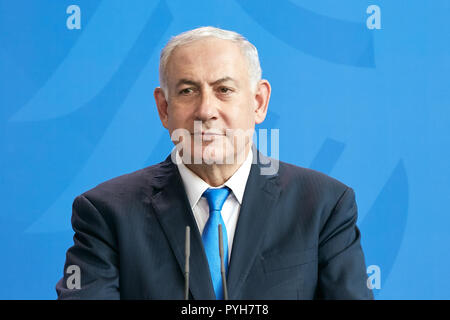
248	50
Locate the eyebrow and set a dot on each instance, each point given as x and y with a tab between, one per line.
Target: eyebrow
224	79
197	84
187	81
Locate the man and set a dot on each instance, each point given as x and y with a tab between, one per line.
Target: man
288	234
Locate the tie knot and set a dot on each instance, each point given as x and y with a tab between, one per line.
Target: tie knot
216	198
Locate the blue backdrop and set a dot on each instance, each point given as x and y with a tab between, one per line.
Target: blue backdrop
360	93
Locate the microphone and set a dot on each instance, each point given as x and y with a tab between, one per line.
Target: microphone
222	264
187	253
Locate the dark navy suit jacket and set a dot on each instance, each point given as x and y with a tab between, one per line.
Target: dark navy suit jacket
296	238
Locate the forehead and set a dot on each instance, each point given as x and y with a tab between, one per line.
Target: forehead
207	58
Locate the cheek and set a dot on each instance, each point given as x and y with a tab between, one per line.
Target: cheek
243	117
178	116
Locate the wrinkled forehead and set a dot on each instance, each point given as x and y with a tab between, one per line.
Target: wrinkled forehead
207	59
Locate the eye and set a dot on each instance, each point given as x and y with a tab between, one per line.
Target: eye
225	90
186	91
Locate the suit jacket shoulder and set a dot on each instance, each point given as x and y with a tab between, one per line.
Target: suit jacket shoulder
314	181
131	187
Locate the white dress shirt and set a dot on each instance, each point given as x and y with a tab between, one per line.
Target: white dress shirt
196	186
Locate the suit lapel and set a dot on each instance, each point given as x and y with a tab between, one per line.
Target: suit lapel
260	196
174	214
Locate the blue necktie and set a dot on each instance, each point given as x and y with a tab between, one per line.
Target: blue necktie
216	198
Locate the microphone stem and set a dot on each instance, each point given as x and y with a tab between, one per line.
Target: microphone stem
222	264
187	253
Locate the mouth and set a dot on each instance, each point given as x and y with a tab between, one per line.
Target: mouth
208	133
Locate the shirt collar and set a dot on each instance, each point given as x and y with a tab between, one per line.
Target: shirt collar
196	186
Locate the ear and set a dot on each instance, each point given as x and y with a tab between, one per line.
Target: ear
262	97
161	104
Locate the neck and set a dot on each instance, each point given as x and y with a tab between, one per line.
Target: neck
217	174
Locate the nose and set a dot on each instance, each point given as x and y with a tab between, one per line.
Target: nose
206	109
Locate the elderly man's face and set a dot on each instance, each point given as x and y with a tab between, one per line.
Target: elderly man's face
208	84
